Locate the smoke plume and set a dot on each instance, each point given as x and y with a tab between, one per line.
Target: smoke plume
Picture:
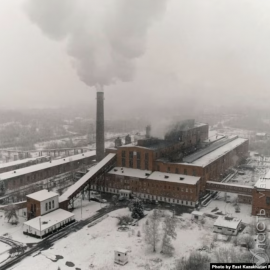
103	37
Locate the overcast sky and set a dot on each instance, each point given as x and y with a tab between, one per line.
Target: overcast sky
195	52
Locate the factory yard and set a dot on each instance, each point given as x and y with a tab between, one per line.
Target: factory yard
93	248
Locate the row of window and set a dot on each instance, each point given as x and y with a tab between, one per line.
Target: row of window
49	205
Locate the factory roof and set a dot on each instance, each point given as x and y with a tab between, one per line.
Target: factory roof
42	195
93	170
158	176
45	165
176	178
19	162
221	151
215	145
263	182
130	172
49	220
227	222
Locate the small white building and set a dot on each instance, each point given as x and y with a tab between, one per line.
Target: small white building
227	225
197	215
47	224
121	256
124	193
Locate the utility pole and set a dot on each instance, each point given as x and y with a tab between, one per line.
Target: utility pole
81	208
40	227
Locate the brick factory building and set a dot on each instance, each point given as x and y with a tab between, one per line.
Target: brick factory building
24	177
174	169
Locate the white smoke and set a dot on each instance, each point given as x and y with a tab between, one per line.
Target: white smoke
103	37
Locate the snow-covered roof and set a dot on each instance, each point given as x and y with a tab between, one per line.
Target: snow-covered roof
93	170
263	182
45	165
160	176
130	172
227	222
50	219
42	195
124	191
19	162
121	250
176	178
197	213
221	151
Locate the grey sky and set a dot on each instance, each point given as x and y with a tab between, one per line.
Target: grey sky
198	51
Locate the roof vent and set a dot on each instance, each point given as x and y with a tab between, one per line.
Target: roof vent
14	171
64	160
83	154
115	170
166	176
182	178
147	174
122	171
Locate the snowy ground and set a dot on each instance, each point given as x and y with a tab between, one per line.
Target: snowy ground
93	248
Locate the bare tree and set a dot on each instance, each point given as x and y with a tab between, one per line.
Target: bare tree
195	261
10	212
152	236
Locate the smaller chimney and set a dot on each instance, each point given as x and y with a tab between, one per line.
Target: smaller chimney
127	139
148	132
118	142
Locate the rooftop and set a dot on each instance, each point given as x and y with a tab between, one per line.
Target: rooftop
176	178
130	172
227	222
263	182
210	157
50	219
45	165
19	162
42	195
159	176
215	145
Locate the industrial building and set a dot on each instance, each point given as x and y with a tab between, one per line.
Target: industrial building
13	180
174	169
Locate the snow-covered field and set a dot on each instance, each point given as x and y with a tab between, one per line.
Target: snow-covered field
93	248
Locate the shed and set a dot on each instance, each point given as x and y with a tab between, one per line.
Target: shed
125	193
121	256
197	215
227	225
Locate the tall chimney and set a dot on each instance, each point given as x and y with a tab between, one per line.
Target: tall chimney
100	126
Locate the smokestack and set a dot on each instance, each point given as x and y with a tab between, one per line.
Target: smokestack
100	126
148	131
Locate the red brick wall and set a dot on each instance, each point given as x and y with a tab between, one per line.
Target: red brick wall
30	202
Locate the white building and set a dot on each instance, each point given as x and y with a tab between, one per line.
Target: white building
197	215
42	202
49	223
121	256
227	225
44	215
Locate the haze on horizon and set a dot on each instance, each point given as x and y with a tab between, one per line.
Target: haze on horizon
197	54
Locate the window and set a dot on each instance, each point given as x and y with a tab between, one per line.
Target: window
186	189
176	170
185	171
146	165
35	209
123	158
131	159
138	160
190	190
194	173
46	206
169	169
158	168
50	205
268	200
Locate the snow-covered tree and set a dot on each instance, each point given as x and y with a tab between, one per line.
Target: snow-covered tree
10	213
170	226
167	247
137	209
114	199
152	230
